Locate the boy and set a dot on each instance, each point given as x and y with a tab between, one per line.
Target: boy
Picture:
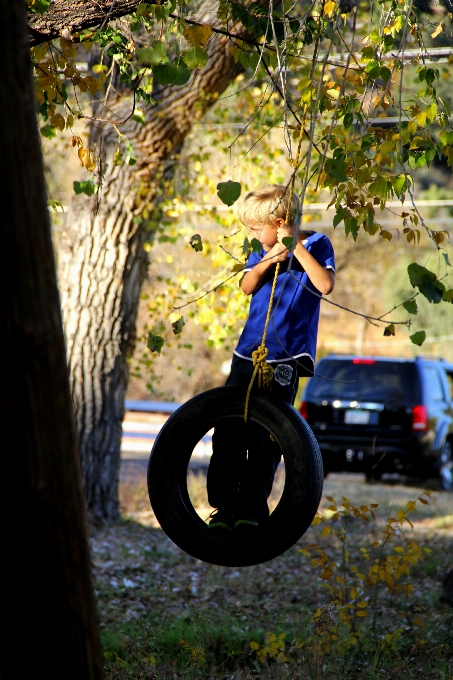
244	459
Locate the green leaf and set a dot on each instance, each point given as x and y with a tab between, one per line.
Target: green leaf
165	74
379	187
39	6
390	329
48	131
228	192
336	168
196	242
170	74
149	56
195	57
410	306
183	75
289	242
385	73
399	184
426	282
154	342
339	216
88	187
178	325
448	295
256	245
418	338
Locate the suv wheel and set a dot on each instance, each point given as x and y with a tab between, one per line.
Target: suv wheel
446	468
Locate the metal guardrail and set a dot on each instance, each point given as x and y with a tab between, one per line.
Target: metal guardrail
139	437
151	406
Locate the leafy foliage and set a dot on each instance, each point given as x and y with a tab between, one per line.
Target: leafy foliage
332	73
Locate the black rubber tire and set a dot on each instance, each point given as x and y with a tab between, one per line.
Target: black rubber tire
167	478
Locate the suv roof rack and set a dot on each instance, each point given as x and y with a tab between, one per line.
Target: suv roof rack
428	357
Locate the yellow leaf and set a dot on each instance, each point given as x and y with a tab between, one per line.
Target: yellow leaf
418	621
438	30
333	94
374	505
197	36
330	499
431	112
412	126
254	646
421	118
361	612
329	7
362	604
326	531
424	501
304	83
401	515
364	508
316	521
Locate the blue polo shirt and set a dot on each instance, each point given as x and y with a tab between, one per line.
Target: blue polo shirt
293	326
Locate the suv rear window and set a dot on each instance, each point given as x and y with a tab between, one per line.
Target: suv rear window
367	380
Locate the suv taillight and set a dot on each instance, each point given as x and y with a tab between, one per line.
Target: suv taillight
303	410
419	418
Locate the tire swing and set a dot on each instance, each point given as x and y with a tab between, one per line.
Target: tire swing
169	461
167	478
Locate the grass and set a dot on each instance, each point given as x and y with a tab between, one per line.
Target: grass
166	615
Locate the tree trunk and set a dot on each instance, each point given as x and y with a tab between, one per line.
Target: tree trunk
103	263
48	607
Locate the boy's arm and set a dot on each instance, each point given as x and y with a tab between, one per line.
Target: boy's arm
253	277
322	279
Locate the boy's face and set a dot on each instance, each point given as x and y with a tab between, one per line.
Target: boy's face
266	235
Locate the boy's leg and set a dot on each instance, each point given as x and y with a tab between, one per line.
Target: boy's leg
229	451
228	458
264	455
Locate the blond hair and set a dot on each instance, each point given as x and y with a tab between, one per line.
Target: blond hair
268	203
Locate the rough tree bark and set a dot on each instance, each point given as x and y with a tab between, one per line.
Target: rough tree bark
103	263
48	607
65	17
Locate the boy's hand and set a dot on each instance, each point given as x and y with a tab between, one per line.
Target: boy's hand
277	253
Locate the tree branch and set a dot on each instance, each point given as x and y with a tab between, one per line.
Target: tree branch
65	17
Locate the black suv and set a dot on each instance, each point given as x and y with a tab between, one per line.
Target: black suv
378	415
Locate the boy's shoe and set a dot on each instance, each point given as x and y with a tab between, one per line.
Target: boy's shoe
246	523
220	520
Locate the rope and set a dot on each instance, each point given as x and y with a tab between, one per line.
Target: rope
262	369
